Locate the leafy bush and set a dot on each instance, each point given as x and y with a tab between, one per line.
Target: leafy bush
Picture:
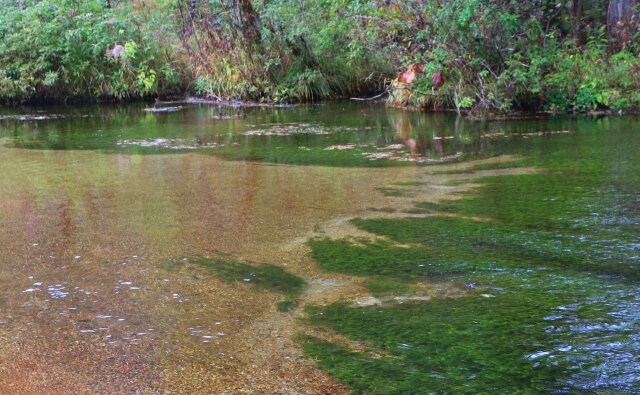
495	55
503	55
56	49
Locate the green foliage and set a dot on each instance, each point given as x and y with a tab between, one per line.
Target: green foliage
502	55
579	83
307	50
57	49
495	55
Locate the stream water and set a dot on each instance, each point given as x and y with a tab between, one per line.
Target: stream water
440	255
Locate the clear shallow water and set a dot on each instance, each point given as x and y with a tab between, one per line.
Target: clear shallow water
95	201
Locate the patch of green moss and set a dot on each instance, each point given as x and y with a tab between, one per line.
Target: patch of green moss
449	245
270	277
533	201
462	346
517	331
286	304
383	209
395	192
385	258
363	374
430	207
387	286
445	245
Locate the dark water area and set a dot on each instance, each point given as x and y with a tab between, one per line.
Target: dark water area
501	256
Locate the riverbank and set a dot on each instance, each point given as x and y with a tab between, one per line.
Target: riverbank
475	57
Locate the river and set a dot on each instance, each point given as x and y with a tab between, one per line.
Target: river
329	248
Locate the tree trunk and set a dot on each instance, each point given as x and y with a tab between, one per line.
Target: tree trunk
249	21
189	19
622	23
576	20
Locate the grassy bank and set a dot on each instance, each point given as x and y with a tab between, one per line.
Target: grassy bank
478	56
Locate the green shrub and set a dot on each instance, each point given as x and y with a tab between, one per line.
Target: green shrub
57	49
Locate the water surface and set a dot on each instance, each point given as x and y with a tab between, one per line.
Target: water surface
524	282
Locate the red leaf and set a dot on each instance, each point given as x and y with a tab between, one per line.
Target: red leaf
410	75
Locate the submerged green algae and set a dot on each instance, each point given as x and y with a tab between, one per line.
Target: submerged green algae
525	325
435	347
529	332
446	245
550	274
266	276
382	286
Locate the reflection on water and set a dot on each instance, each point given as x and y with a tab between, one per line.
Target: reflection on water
293	135
90	219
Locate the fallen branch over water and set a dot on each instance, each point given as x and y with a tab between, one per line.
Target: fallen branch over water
394	89
217	101
370	98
